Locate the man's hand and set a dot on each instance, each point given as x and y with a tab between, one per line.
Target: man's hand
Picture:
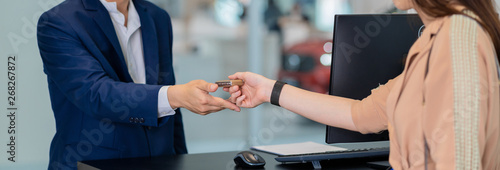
195	97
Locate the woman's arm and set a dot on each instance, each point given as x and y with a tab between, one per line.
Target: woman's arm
322	108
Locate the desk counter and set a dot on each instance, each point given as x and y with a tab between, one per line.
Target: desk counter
210	161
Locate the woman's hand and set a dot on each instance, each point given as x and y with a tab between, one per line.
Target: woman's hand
255	91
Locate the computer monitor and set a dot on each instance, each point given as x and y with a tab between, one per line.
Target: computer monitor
368	50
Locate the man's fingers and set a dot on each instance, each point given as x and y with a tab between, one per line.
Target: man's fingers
205	86
212	87
211	109
225	104
207	109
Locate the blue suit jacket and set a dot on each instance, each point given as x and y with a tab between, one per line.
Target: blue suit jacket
99	112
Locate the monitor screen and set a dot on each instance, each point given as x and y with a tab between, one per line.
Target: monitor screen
368	50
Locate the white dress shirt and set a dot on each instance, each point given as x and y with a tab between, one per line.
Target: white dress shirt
130	39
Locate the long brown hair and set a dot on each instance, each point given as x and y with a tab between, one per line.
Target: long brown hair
484	9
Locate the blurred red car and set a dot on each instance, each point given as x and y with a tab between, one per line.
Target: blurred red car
307	65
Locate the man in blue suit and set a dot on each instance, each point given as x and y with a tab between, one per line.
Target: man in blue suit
111	82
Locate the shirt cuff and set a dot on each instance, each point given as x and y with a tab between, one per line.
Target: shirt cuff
164	108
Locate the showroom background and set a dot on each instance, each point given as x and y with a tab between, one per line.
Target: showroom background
211	41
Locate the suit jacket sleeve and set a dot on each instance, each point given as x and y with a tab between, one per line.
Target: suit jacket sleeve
166	75
80	76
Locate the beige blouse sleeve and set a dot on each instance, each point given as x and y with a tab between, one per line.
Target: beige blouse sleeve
369	115
461	124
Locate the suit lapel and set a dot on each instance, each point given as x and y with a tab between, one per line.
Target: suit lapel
150	44
103	20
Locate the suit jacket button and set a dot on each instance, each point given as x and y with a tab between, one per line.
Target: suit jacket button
136	120
141	120
131	119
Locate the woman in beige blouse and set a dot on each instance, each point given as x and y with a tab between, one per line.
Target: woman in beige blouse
446	101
